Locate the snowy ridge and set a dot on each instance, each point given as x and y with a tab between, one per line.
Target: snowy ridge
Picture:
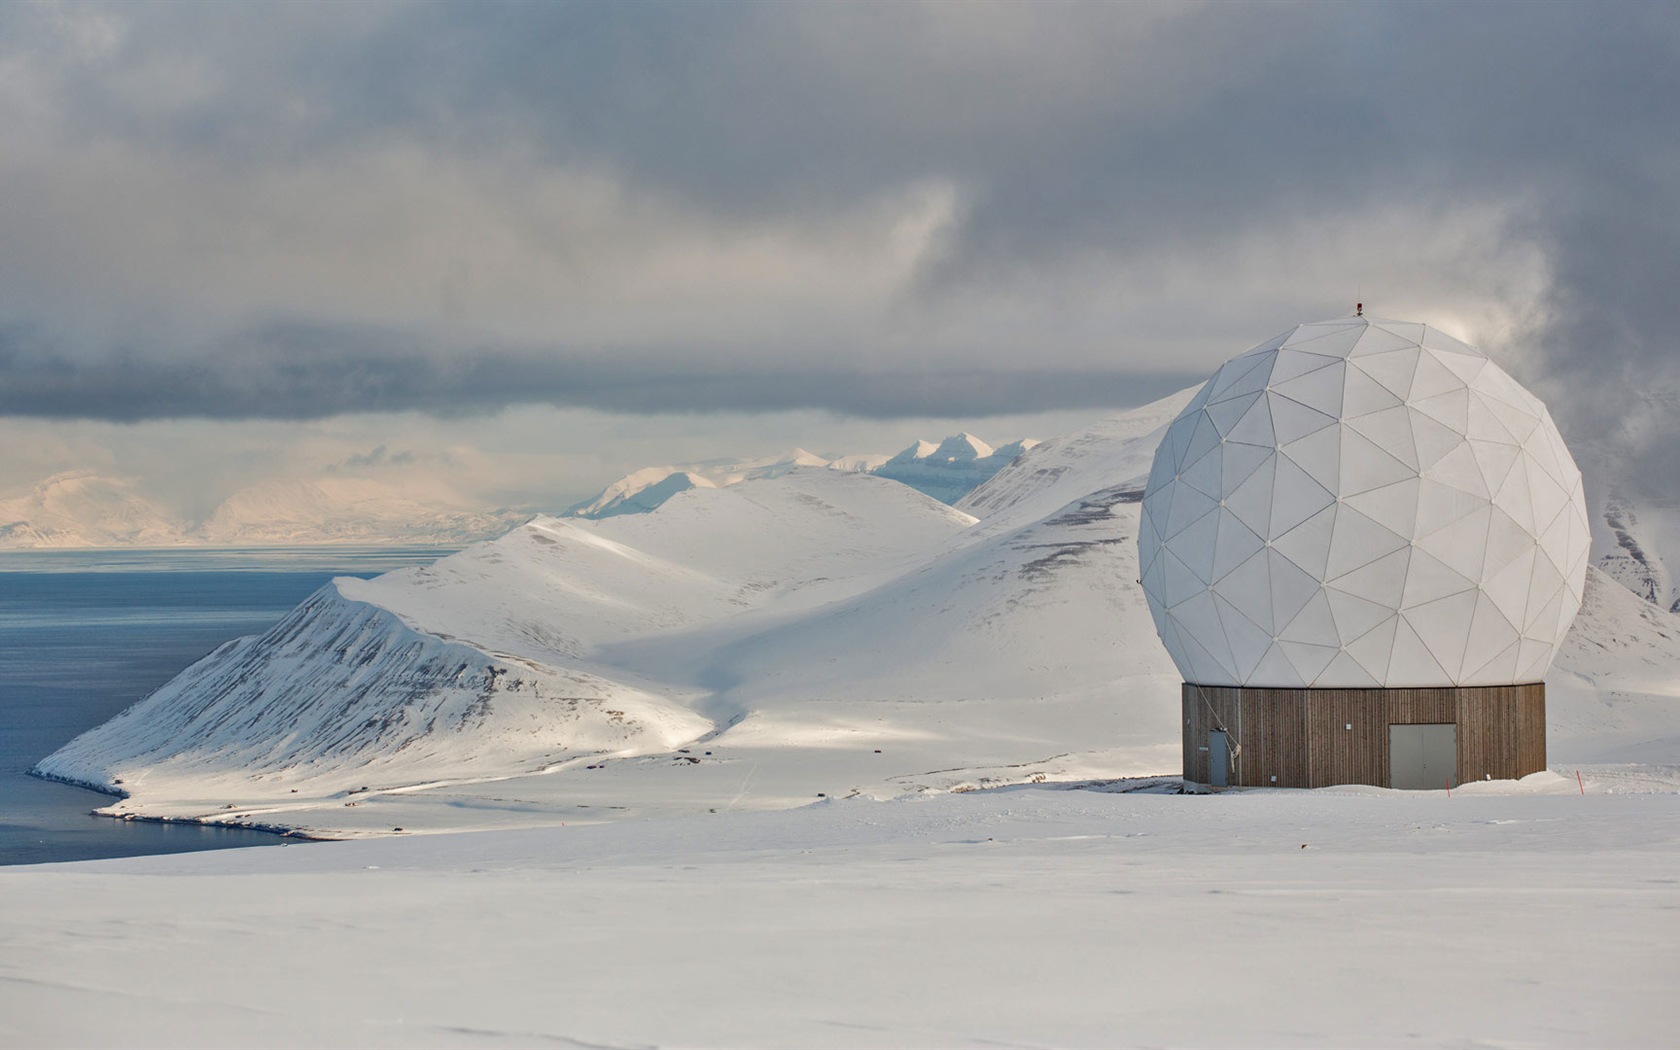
341	693
641	492
1056	472
945	471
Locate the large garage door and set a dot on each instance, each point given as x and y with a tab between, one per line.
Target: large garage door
1423	757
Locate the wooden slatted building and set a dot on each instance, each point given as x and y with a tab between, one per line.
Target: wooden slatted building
1410	738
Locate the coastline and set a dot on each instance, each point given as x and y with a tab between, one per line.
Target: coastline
279	830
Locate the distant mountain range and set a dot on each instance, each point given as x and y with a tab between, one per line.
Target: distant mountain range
1636	529
947	471
78	509
83	509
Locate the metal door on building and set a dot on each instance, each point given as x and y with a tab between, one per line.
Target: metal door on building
1219	759
1423	757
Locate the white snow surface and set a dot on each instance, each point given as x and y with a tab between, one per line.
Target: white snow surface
1517	914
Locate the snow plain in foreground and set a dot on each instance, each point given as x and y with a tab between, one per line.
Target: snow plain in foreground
1506	915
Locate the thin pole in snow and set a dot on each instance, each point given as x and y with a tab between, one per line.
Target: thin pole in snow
1579	782
1449	787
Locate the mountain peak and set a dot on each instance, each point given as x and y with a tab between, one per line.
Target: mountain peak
964	446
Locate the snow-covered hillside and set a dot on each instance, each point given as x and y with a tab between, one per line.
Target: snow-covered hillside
755	645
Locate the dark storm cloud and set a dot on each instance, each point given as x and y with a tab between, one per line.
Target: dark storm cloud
306	372
1113	132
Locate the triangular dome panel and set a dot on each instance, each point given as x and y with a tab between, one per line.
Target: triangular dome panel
1375	648
1314	624
1378	340
1293	362
1433	377
1234	544
1412	662
1443	626
1393	369
1307	545
1309	660
1320	390
1255	426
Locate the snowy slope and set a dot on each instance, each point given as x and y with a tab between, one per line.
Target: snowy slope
1031	645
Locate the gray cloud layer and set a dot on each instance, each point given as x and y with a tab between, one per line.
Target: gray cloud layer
294	211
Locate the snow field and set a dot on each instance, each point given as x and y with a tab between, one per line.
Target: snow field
1522	915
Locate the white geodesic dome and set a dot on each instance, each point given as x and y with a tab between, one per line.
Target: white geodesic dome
1362	502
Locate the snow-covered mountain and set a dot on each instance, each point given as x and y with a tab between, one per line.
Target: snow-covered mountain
951	469
81	509
946	471
1635	536
647	489
757	644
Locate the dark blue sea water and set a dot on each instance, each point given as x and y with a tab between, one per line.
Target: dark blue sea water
84	634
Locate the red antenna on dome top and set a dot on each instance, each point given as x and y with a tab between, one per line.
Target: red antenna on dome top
1359	309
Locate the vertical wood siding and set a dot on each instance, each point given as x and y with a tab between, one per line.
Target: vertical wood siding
1302	736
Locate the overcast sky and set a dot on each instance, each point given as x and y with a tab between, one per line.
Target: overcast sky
241	238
